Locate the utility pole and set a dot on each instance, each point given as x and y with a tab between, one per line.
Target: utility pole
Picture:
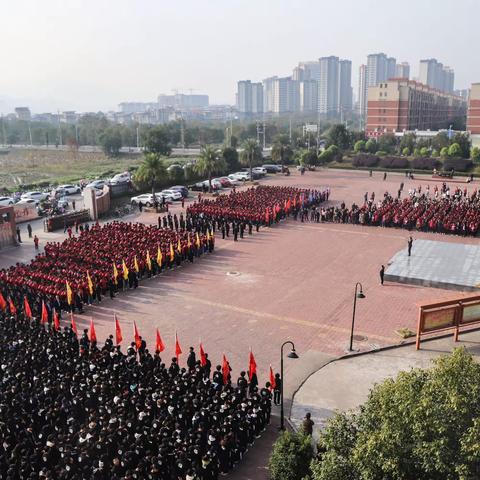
3	130
264	129
231	126
59	129
138	137
258	132
290	129
30	134
182	133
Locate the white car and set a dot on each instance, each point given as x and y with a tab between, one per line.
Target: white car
28	201
242	175
173	194
38	196
234	179
260	170
68	189
96	184
4	201
146	199
120	178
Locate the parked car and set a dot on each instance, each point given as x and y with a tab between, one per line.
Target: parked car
4	201
145	199
182	189
173	194
68	189
172	166
120	178
38	196
62	202
96	184
272	168
28	201
225	181
241	175
234	180
260	170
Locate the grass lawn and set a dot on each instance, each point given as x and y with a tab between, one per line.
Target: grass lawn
39	167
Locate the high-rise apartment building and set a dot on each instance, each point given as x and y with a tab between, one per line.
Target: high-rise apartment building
400	104
345	93
308	93
435	75
249	97
402	70
328	86
379	68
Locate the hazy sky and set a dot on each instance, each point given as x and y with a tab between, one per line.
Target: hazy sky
92	54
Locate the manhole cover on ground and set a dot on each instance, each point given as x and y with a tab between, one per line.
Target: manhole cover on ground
359	338
233	273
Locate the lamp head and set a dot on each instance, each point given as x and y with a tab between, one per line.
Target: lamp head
292	354
360	294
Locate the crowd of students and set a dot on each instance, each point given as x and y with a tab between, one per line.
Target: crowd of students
441	210
72	410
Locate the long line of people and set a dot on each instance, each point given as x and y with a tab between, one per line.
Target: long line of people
71	410
444	210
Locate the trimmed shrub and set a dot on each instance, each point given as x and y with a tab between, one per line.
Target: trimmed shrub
458	164
382	153
365	160
425	163
393	162
291	456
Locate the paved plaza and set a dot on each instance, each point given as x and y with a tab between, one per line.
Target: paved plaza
437	264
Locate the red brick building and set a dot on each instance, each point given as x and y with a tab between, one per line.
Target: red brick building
473	117
400	104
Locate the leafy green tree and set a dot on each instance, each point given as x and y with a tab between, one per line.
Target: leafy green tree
291	456
338	135
307	157
176	174
234	141
282	153
371	146
111	141
334	152
230	155
406	152
475	154
444	152
251	154
416	152
424	152
463	141
454	150
157	141
209	162
440	140
359	146
435	153
408	141
151	171
423	425
387	143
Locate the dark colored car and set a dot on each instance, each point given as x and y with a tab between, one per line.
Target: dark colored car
272	168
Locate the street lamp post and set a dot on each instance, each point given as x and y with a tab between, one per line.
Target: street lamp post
357	295
292	354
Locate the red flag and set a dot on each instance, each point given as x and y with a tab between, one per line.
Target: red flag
118	330
13	308
92	334
203	358
178	350
272	379
56	320
3	303
26	308
73	324
252	366
138	340
225	369
44	318
160	347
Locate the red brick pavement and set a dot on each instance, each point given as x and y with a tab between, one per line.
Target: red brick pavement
295	281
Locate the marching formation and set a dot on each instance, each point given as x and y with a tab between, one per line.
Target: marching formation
437	210
72	410
101	260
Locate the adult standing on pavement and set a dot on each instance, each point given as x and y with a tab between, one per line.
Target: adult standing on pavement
410	244
277	390
307	424
19	238
29	229
382	274
35	241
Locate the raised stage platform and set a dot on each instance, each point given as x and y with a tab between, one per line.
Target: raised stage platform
453	266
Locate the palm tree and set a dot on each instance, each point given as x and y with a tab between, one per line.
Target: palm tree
150	171
209	161
250	151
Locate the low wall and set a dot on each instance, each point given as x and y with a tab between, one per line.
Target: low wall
7	227
25	213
